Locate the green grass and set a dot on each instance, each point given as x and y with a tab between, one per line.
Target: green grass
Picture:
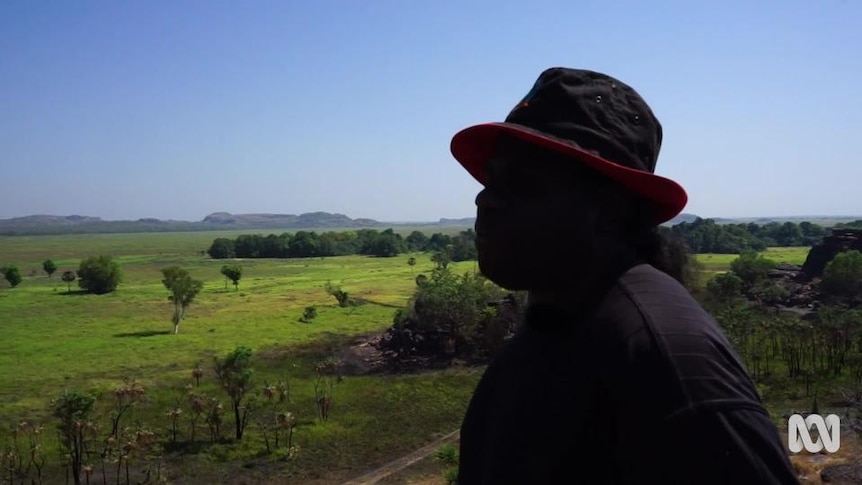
55	341
54	337
714	263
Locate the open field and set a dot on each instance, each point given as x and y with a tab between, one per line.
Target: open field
55	341
721	262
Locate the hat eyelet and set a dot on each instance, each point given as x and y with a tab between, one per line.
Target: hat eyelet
598	99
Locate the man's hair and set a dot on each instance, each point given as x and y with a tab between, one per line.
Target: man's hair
640	236
658	247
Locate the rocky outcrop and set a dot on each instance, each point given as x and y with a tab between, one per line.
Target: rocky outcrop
820	255
800	284
798	297
785	270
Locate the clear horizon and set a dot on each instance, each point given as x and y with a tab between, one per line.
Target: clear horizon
408	221
175	110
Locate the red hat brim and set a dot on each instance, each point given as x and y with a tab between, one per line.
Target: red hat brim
474	146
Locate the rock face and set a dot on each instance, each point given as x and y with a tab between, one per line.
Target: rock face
820	255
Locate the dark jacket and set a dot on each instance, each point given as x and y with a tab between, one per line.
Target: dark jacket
638	386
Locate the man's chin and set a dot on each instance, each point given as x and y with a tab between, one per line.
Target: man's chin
502	275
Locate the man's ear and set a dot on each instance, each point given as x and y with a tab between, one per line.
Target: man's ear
615	211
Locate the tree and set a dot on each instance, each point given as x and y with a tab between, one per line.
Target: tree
452	306
73	411
99	274
752	268
222	248
183	290
232	272
235	373
384	245
464	246
49	267
725	287
12	275
442	258
842	277
416	241
303	244
412	263
68	277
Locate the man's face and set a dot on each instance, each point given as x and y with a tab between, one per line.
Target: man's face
535	218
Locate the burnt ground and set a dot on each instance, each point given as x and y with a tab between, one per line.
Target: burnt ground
363	355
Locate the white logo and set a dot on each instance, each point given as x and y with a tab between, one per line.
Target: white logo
828	431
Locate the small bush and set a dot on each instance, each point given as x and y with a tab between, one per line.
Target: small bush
447	456
309	314
340	295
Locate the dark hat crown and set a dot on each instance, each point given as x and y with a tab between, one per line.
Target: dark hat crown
594	112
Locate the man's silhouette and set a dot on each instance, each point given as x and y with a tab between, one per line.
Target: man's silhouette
617	374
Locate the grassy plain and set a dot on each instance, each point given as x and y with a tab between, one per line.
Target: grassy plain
721	262
55	341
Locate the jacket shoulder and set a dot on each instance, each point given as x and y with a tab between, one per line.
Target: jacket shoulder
664	337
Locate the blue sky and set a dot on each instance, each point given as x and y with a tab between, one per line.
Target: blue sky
175	109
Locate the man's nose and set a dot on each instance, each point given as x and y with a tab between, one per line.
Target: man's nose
489	200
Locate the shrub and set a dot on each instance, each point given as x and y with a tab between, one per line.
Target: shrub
99	274
309	314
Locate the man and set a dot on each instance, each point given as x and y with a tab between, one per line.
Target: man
617	374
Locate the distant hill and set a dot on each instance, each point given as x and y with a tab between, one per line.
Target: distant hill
220	221
681	218
284	221
46	224
464	221
45	220
217	221
825	221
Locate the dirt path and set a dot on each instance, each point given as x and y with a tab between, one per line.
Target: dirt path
403	462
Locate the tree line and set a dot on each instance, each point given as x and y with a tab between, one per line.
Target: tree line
369	242
699	236
708	236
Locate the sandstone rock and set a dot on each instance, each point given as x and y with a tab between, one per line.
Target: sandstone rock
820	255
842	474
